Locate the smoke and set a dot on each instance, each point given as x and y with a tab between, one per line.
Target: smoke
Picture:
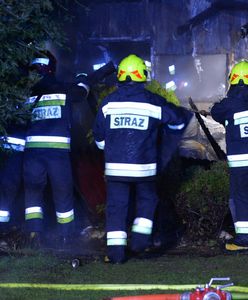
202	77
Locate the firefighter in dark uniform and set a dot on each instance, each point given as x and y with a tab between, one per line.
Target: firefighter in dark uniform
11	174
232	112
126	127
47	149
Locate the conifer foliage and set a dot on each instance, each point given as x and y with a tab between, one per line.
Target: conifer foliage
25	27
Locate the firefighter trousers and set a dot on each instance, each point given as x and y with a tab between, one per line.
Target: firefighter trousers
118	204
39	166
239	196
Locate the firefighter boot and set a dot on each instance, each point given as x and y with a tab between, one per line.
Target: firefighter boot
142	247
238	244
116	255
140	242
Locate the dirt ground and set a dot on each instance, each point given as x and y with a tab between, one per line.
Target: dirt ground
91	245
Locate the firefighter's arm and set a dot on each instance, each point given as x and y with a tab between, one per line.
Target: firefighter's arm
220	111
176	118
79	91
99	129
85	89
83	84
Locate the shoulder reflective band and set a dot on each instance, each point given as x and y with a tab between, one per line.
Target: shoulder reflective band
4	216
130	170
48	142
52	99
48	99
239	160
116	238
176	127
100	145
240	117
241	227
65	217
136	108
40	60
142	225
34	212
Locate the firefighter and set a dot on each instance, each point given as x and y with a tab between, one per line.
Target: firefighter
47	149
232	112
12	149
12	144
126	128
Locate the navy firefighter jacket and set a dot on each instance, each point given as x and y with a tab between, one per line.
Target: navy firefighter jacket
50	104
232	112
126	127
14	139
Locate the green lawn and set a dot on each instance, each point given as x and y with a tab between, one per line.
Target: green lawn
54	278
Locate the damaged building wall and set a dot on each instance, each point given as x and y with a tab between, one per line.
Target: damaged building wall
186	32
219	31
103	24
158	21
119	21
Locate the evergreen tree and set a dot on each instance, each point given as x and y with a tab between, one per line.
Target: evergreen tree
25	27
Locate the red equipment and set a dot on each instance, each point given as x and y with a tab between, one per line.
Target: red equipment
149	297
206	293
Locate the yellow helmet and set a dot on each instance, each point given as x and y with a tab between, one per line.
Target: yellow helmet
132	67
239	72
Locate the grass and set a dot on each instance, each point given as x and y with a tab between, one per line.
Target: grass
167	270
